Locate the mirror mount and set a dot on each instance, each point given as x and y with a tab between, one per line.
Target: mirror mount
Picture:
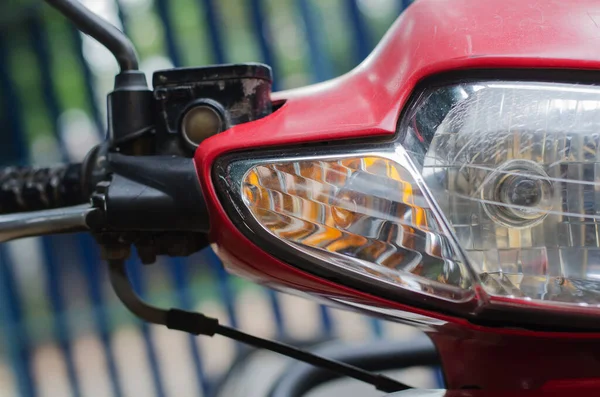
106	34
130	103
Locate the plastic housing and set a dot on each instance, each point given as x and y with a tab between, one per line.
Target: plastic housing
509	39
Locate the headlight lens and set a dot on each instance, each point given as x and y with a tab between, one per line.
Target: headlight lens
515	168
490	193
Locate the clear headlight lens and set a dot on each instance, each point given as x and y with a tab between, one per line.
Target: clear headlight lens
515	168
491	190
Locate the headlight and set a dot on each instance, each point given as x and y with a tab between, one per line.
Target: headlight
490	194
515	168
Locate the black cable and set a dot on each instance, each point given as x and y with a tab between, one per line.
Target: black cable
199	324
381	382
231	377
379	355
105	33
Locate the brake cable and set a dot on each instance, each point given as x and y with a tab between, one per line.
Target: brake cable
199	324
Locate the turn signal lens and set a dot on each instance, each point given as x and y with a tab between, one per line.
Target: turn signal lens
364	214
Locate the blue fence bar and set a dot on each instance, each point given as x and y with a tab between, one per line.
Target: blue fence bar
263	35
179	273
42	53
62	332
14	145
326	322
320	63
278	315
362	37
213	22
376	327
164	12
16	333
226	292
89	251
135	275
404	4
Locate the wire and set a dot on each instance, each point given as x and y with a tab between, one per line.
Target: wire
198	324
377	355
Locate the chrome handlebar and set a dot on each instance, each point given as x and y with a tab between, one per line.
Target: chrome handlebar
78	218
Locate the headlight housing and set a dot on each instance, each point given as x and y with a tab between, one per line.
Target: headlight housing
487	200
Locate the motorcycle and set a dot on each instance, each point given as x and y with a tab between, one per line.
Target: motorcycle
448	182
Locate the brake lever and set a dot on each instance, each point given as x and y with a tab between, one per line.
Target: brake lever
80	218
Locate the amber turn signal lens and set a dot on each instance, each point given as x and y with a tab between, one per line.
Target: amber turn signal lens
364	213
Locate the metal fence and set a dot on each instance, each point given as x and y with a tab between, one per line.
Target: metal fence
62	330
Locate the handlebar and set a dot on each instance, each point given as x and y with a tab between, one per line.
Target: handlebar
38	223
35	201
152	202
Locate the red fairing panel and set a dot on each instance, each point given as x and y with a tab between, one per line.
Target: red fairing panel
431	37
505	361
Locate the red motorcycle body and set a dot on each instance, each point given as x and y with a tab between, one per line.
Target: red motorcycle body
432	37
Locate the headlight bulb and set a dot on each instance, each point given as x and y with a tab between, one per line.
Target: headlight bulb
517	194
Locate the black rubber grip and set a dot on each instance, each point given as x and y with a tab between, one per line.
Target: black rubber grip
31	189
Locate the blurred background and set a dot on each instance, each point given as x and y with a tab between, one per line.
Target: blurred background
62	331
